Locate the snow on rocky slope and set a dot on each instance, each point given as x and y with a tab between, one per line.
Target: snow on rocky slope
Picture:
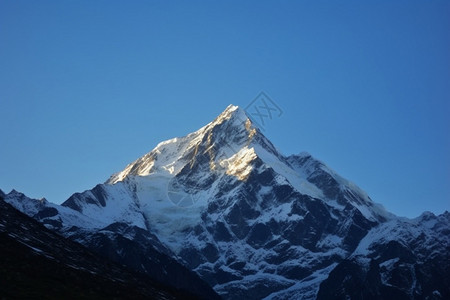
250	221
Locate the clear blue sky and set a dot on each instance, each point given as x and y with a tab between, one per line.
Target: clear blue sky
89	86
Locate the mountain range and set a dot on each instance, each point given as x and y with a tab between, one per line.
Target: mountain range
222	213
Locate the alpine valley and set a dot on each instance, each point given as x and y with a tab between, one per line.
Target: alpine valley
222	213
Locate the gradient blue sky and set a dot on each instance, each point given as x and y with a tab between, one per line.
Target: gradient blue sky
89	86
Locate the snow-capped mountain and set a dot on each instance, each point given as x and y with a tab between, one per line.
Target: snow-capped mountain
254	223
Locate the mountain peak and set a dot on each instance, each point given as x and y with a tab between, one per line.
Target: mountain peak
252	222
246	217
234	114
231	108
225	136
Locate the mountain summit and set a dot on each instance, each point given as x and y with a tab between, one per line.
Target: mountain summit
231	132
253	223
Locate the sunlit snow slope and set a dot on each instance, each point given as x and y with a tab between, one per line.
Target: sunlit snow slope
250	221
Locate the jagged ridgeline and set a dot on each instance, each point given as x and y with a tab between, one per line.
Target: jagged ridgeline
231	212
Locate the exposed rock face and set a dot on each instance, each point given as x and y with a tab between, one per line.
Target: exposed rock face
254	223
